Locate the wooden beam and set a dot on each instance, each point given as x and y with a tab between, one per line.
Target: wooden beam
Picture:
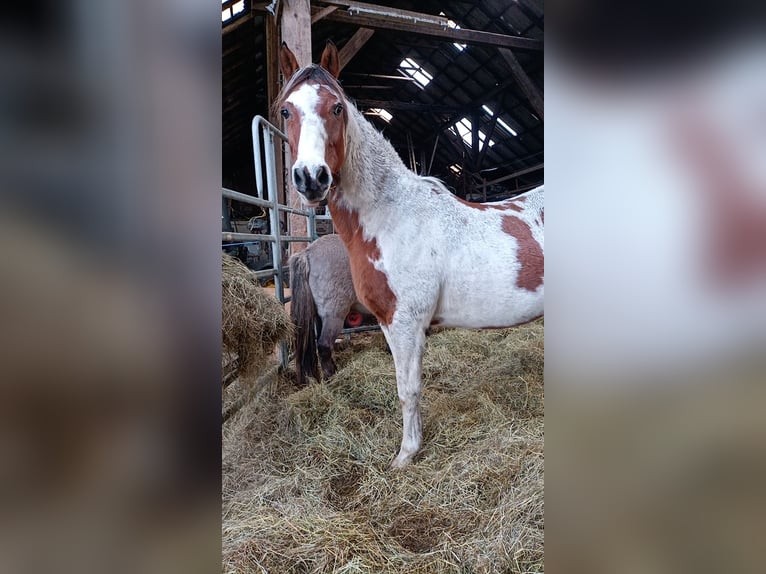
519	173
526	85
322	12
356	42
467	109
295	22
381	17
230	27
406	106
373	10
485	149
475	142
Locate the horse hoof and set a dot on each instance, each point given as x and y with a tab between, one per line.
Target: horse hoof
401	461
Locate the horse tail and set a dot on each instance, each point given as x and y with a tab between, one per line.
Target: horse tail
303	313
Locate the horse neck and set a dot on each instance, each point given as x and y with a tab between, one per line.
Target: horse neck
371	162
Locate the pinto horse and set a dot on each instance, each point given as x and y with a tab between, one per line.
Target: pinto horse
419	255
322	296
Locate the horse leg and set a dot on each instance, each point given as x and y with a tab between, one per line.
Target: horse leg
407	341
331	328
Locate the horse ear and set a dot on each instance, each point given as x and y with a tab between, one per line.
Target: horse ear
330	60
288	63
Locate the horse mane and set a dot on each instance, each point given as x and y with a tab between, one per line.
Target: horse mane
312	72
435	181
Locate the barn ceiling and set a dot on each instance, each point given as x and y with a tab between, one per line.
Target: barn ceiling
444	89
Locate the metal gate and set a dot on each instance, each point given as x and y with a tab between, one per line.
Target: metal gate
268	200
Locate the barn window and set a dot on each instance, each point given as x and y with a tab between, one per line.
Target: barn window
230	11
463	128
381	113
500	121
411	68
454	26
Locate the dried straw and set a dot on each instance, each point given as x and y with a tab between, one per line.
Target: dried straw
253	322
307	488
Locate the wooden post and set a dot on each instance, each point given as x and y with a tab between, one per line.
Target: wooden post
295	23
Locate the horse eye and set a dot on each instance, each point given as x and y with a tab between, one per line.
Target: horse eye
285	113
338	109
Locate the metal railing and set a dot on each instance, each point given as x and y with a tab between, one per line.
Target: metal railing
268	200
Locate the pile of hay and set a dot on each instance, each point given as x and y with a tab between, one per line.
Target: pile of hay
253	322
306	483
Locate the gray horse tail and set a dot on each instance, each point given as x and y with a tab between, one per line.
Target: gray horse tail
303	312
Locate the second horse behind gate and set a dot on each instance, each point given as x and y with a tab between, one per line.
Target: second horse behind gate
322	296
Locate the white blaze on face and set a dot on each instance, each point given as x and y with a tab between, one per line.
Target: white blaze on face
311	146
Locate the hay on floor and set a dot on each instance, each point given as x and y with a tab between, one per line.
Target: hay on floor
253	322
306	483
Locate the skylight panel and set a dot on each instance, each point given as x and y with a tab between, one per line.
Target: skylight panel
464	129
381	113
231	11
415	71
500	121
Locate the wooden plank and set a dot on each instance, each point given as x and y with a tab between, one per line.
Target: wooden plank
295	23
318	15
527	87
239	21
356	42
461	35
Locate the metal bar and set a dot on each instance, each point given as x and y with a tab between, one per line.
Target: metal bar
303	212
361	329
294	239
264	273
257	154
276	252
260	123
311	228
245	198
231	236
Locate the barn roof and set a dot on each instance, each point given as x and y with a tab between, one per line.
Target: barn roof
428	86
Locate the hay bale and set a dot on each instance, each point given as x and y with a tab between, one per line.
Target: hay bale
306	483
253	322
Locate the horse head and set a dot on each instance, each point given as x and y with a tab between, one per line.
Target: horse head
313	106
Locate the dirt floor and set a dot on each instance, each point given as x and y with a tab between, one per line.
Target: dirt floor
306	483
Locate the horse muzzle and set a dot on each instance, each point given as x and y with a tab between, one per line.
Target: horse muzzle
312	184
